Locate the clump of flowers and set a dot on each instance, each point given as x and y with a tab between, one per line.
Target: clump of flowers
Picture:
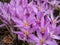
34	20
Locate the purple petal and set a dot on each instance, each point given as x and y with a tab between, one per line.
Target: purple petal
2	25
34	38
16	20
38	44
53	42
42	21
21	37
55	37
39	34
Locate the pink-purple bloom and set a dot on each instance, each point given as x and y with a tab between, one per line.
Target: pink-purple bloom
35	21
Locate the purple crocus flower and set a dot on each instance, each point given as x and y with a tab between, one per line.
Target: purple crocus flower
25	22
5	14
24	34
54	32
34	20
43	24
53	20
26	27
43	39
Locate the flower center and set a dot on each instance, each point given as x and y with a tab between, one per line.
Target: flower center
25	23
54	20
42	41
26	33
39	7
37	20
42	30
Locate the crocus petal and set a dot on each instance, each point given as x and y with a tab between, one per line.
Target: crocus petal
58	21
34	38
55	37
18	25
58	30
17	21
1	4
38	44
52	17
39	34
44	44
49	42
35	9
32	30
49	18
4	21
2	25
42	21
21	37
17	32
31	19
